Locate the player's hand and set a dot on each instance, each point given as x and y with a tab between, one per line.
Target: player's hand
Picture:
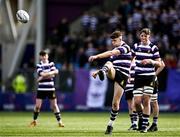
48	77
52	76
94	74
92	58
146	61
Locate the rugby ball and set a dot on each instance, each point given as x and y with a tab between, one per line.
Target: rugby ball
22	16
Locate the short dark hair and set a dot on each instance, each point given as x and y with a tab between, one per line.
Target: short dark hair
42	53
146	31
116	34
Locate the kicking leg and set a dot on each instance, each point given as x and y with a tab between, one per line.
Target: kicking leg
106	69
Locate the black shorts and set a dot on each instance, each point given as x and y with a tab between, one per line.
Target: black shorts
143	80
129	95
121	79
46	94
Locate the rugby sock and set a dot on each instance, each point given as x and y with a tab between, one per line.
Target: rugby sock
58	116
155	120
145	121
113	116
35	115
131	118
140	119
135	118
140	114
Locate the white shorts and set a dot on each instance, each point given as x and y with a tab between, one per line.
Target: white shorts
147	90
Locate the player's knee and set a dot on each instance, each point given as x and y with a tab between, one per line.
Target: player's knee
130	107
109	65
153	105
115	106
146	101
37	108
54	106
137	102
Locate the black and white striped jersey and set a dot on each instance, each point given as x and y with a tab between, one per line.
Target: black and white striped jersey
142	52
48	83
122	62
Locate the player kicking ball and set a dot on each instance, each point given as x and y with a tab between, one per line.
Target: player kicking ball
116	69
46	73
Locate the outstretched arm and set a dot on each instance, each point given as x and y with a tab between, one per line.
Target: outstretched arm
104	55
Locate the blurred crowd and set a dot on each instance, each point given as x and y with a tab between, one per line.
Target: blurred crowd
161	16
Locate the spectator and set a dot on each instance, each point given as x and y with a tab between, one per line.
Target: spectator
19	83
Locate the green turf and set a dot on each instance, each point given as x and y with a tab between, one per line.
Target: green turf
80	125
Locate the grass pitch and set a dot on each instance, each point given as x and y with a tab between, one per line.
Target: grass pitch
85	124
